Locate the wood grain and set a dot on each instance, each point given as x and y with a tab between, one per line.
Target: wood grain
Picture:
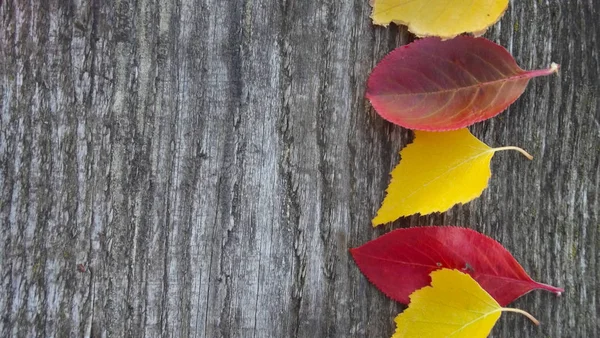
209	163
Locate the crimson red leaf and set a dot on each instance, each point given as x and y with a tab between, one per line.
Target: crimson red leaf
400	262
440	85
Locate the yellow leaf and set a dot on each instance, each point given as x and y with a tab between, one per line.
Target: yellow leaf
436	171
443	18
453	306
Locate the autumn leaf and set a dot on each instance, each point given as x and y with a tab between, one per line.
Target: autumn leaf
398	263
453	306
437	171
439	85
441	18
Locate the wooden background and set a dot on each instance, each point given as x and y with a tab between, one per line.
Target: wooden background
210	162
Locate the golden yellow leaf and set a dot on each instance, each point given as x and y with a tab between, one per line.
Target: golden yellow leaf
443	18
453	306
436	171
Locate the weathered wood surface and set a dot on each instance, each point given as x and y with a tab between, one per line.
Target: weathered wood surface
211	162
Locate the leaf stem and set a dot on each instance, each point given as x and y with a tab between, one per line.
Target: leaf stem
526	154
525	313
543	72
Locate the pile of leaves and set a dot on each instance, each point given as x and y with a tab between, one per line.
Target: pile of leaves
456	281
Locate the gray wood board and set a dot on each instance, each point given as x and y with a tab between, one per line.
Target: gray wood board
210	163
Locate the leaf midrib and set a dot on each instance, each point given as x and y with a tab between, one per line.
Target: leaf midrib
513	78
438	267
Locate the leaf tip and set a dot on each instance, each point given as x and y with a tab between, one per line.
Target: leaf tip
354	252
376	222
480	32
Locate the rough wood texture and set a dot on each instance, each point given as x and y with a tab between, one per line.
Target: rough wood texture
210	163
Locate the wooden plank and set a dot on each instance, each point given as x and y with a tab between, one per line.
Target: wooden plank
209	163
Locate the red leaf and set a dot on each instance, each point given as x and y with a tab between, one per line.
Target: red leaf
439	85
400	262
